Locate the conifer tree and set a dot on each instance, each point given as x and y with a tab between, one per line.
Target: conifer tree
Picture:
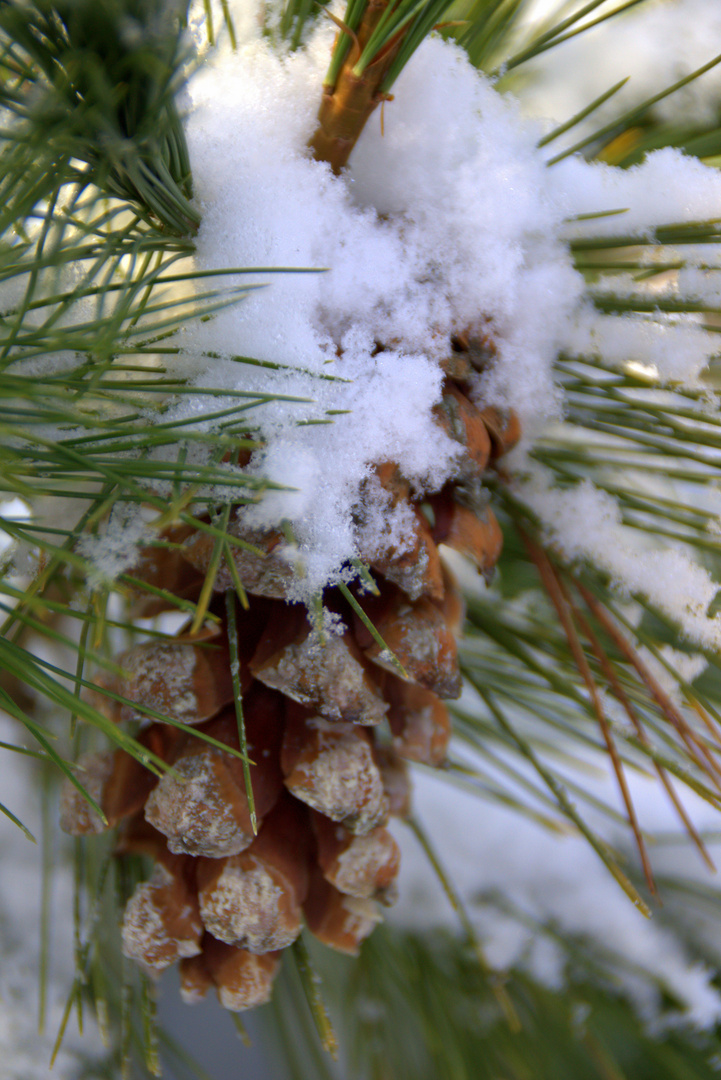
360	440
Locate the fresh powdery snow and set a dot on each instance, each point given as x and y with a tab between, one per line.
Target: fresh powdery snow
447	218
445	221
586	523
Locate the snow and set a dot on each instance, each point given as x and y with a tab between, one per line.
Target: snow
501	860
668	187
11	510
687	666
585	523
673	352
114	547
416	248
447	219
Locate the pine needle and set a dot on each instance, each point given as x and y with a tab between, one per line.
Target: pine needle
48	847
372	630
555	590
567	806
609	130
241	1029
623	699
16	821
698	753
311	983
212	572
232	628
581	115
495	978
149	1013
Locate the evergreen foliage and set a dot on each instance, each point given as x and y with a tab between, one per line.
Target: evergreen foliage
97	221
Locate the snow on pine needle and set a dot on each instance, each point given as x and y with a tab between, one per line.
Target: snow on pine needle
447	217
594	290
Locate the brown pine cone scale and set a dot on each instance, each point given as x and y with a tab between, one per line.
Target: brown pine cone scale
329	719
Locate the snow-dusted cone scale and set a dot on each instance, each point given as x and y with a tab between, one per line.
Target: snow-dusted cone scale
254	900
117	782
415	567
199	808
328	675
331	767
417	635
260	557
162	921
186	681
460	419
419	722
202	806
340	921
164	567
364	866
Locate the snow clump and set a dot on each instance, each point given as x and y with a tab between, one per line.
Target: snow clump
446	220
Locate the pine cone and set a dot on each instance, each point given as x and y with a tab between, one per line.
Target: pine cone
328	719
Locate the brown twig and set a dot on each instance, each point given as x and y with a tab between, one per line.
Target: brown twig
345	107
